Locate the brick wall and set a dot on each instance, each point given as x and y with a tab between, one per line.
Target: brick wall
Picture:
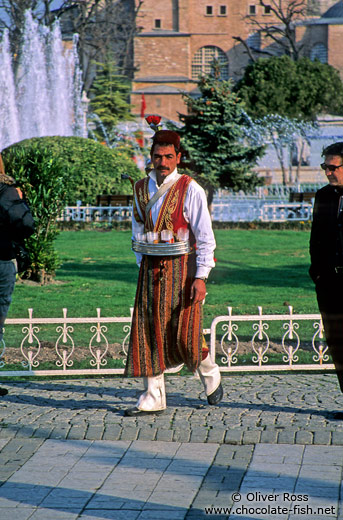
162	56
192	25
335	56
159	104
153	10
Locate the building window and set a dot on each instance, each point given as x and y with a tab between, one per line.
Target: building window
267	9
205	60
319	52
209	10
158	23
222	10
252	10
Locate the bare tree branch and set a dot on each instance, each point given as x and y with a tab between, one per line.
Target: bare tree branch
281	32
251	50
104	27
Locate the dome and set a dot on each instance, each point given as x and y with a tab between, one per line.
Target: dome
335	11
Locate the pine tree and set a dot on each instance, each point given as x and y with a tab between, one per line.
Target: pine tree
109	99
213	136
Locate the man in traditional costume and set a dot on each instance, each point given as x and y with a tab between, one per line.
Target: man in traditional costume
167	319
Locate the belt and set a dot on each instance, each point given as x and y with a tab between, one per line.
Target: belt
339	270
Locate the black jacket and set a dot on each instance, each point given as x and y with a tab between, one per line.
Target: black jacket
16	221
327	233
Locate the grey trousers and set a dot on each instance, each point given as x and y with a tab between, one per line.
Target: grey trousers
7	282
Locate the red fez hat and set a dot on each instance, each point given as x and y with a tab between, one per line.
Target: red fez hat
166	136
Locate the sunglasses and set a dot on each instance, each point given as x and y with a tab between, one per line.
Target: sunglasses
330	167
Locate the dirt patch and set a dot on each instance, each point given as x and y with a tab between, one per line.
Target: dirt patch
245	347
32	283
115	351
48	352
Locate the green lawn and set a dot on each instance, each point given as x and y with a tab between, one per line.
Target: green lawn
262	267
254	267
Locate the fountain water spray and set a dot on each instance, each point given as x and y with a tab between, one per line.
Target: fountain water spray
9	121
44	97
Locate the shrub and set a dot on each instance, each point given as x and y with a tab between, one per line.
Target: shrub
41	178
90	168
55	171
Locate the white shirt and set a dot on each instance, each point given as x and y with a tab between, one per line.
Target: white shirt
196	214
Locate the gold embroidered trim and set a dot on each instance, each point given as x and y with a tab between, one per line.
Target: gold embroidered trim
165	222
142	193
143	196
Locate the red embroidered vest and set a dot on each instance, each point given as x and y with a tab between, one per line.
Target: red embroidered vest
171	213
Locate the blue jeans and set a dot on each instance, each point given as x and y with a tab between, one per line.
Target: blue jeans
7	281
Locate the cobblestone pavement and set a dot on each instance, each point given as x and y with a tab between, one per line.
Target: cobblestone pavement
271	449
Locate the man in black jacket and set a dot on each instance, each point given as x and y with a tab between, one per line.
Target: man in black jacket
16	224
326	250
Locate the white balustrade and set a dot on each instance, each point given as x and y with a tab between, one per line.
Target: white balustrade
95	213
227	210
227	343
235	210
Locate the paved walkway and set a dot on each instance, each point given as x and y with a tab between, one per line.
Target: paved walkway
271	450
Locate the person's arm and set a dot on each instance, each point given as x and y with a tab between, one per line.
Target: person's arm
314	242
324	247
197	214
137	227
19	217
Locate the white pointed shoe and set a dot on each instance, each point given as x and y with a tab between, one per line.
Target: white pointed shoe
153	400
210	377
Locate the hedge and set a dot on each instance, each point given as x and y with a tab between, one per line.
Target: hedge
55	171
90	168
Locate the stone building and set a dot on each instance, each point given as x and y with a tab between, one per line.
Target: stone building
179	39
321	37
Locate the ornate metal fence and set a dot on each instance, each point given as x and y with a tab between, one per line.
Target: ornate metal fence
229	210
235	210
278	212
95	213
244	343
260	342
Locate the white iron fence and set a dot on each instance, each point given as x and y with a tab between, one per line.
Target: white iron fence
267	203
240	343
227	210
287	211
95	213
273	191
234	210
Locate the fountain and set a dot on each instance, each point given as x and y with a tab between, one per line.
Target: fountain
43	98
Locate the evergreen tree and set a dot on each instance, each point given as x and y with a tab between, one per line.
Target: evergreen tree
213	137
109	99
